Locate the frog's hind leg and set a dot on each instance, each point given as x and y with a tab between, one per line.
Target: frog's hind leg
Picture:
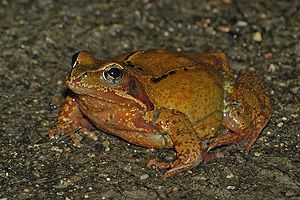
243	139
258	125
247	111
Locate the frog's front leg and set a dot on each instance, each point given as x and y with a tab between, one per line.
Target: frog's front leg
71	120
187	145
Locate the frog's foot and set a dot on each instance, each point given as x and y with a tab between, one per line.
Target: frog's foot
161	165
243	139
71	128
210	156
70	121
227	139
180	165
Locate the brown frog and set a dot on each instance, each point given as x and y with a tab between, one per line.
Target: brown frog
189	101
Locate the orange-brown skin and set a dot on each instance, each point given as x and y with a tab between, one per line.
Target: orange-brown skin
162	99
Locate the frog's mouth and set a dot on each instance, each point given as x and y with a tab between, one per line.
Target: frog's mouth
106	96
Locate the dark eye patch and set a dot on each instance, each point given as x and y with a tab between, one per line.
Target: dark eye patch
133	88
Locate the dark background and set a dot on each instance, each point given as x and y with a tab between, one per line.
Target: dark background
37	41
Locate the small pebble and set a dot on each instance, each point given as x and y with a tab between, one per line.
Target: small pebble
230	175
241	23
257	37
268	55
56	149
295	115
224	29
35	85
60	193
263	15
230	187
280	124
5	3
273	68
106	145
202	178
257	154
26	190
282	84
175	189
59	82
144	176
91	155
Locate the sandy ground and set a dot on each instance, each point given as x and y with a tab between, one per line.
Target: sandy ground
37	41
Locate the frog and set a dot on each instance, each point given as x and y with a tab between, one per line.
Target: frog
191	102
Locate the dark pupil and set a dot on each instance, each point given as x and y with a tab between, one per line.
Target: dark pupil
114	72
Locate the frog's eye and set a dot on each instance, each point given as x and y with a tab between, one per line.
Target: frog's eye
113	73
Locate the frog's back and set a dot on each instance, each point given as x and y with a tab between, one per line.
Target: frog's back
156	62
191	83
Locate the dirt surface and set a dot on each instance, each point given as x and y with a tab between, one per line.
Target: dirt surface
37	41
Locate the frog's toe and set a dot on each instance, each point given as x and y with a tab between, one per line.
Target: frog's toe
59	130
177	168
70	129
54	133
75	139
225	139
210	156
182	164
161	165
244	140
88	133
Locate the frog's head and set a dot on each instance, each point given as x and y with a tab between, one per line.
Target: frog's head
111	81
